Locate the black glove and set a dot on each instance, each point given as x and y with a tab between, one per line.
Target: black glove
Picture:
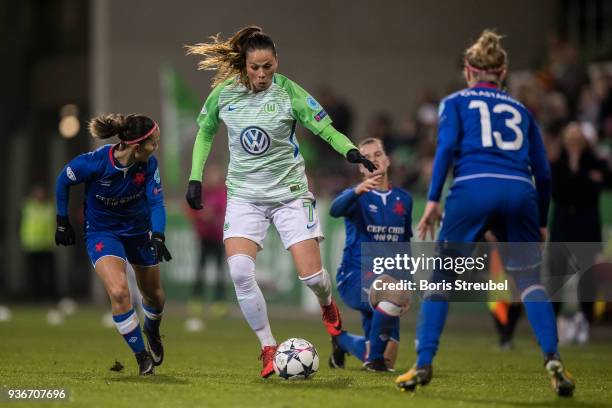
157	244
353	156
64	233
194	194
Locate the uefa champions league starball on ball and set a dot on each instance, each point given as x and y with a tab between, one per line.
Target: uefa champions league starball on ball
296	359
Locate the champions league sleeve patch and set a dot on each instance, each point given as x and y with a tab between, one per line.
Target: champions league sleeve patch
441	115
70	174
156	176
319	116
313	104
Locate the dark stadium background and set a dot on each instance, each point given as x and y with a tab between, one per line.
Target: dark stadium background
379	68
386	63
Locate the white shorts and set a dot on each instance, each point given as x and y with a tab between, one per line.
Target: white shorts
295	221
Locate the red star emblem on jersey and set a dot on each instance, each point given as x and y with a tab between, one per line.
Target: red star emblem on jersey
398	208
139	178
99	246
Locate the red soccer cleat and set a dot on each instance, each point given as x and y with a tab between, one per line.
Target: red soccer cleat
332	319
267	358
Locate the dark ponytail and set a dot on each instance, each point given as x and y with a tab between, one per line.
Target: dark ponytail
228	57
126	128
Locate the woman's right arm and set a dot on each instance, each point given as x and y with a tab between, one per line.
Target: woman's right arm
448	131
201	150
208	121
344	204
75	172
540	169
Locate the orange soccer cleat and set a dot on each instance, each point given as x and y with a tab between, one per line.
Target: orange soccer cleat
332	319
267	359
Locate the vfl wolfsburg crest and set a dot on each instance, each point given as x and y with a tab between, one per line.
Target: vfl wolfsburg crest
270	107
255	140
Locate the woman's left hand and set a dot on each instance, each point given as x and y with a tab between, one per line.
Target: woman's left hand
353	156
429	221
156	243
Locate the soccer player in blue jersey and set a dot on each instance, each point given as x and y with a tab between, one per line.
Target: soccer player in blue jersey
124	222
373	211
501	183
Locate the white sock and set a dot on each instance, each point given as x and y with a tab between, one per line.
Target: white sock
250	298
320	284
388	308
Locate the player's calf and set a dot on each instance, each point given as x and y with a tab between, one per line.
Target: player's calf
153	316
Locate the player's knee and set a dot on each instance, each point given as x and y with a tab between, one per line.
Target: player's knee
119	296
388	299
242	271
160	295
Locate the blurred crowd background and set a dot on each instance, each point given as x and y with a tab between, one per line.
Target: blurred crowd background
379	70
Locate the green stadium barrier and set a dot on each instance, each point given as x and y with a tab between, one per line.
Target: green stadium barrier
275	271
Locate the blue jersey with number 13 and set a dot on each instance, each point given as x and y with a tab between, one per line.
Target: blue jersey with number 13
487	133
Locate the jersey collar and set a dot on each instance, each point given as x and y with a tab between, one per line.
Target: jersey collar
116	165
383	195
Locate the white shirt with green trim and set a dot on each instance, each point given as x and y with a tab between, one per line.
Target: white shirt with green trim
265	161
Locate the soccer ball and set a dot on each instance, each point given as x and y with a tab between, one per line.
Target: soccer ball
296	359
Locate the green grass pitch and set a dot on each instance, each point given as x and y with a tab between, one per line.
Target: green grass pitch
219	368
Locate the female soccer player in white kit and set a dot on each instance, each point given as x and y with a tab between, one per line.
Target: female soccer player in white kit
266	180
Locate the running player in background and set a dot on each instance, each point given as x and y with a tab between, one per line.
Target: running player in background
497	151
125	220
266	180
371	210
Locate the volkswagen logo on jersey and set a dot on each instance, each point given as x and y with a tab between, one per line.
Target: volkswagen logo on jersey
255	140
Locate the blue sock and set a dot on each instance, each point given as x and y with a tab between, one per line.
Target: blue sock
430	324
542	319
153	316
352	344
129	327
382	325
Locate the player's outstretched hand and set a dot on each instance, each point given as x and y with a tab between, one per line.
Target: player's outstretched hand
368	184
353	156
194	194
430	220
64	233
157	244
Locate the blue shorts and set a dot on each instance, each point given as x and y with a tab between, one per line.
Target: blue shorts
133	249
509	208
353	292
